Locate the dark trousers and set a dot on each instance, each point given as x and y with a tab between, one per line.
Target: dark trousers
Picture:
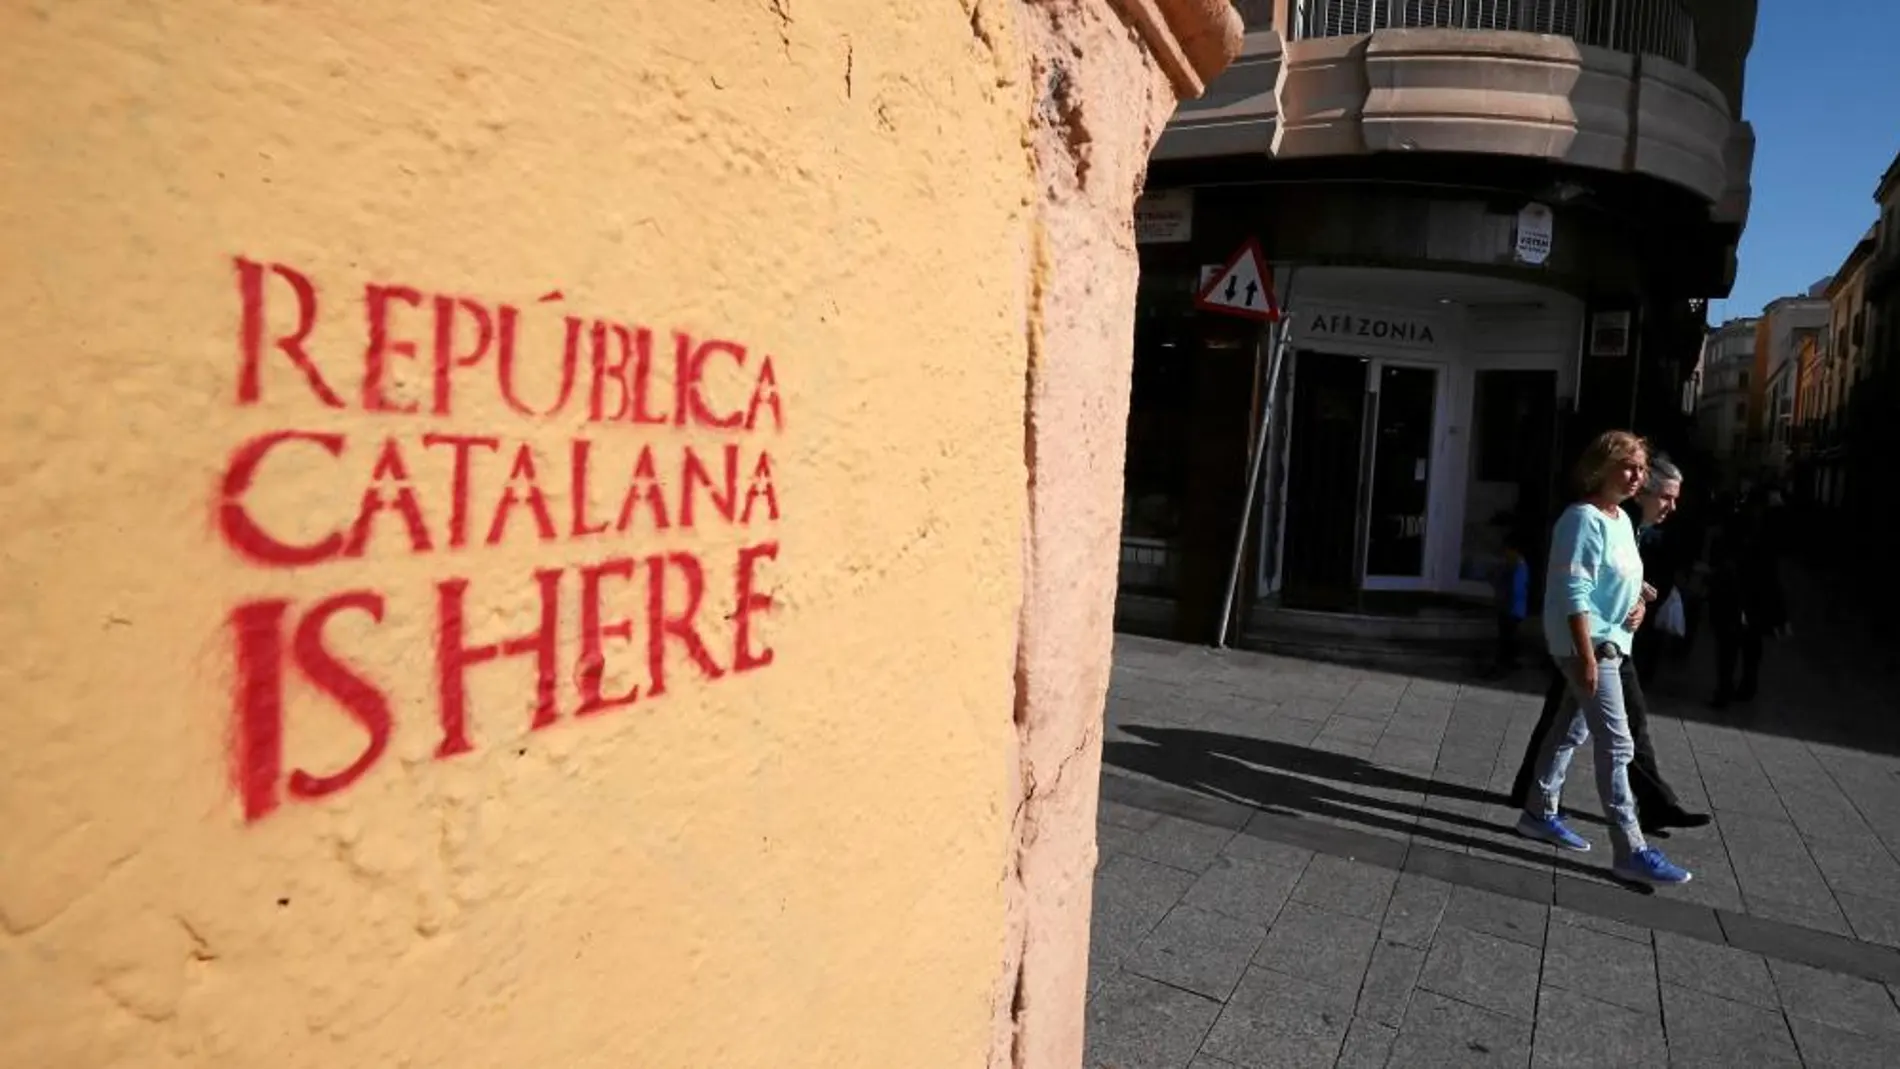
1654	796
1691	616
1648	653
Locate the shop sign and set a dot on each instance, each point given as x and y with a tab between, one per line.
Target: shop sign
1381	328
1164	217
1534	229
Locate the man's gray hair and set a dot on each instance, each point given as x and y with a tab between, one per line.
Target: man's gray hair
1662	471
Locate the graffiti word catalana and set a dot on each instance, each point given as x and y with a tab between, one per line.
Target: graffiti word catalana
617	472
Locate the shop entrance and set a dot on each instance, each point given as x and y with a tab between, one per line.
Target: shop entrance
1399	474
1510	488
1361	437
1189	426
1320	565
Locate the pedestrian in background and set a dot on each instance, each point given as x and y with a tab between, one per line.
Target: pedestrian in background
1746	602
1592	606
1662	565
1511	588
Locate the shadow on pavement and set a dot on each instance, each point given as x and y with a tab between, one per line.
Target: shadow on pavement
1281	778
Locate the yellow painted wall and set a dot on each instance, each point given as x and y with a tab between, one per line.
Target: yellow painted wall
1847	298
792	865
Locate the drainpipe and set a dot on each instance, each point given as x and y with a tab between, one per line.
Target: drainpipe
1583	346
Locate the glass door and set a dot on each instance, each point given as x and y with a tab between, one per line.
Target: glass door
1404	424
1509	493
1326	449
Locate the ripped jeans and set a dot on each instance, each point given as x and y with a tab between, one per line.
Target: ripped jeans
1603	715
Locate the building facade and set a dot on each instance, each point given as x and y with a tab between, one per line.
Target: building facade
1870	444
1809	362
1492	228
1786	325
1842	371
1821	470
1724	387
1785	385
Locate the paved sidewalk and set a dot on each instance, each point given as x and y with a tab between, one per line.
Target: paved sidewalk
1309	865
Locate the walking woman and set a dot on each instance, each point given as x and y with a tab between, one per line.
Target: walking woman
1658	807
1592	605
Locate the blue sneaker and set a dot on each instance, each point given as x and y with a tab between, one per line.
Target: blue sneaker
1551	830
1648	865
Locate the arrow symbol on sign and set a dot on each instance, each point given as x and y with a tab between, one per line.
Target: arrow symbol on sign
1241	287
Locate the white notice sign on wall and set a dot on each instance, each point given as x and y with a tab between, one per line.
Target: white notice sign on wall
1534	227
1164	217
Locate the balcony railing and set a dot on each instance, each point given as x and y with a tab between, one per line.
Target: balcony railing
1649	27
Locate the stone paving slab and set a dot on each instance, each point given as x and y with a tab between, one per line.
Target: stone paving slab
1575	1030
1308	865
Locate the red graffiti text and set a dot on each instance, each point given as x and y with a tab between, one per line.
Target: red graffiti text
616	434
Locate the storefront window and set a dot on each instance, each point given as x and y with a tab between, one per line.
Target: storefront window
1185	475
1513	415
1159	423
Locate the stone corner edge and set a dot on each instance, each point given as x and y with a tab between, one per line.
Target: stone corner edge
1192	40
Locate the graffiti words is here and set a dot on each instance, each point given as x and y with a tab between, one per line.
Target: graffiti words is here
651	606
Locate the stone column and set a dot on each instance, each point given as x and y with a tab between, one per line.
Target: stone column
1103	96
563	533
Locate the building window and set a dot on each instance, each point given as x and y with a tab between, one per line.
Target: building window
1741	411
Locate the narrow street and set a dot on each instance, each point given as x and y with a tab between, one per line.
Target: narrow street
1309	865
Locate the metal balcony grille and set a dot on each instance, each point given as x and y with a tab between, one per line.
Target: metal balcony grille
1651	27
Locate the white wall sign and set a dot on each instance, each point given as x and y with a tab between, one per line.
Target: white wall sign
1610	334
1164	217
1534	228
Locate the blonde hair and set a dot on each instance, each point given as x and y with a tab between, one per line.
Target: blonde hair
1611	450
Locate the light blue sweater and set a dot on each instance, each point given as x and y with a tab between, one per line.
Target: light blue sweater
1594	569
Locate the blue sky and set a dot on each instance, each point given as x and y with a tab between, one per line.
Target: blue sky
1823	92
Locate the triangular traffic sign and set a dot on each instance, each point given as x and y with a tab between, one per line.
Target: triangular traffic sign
1242	288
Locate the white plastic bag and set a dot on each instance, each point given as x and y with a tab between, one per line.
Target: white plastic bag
1670	619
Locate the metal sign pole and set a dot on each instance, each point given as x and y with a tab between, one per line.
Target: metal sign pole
1278	335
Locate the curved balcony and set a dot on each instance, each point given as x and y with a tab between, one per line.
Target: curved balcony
1636	86
1664	28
